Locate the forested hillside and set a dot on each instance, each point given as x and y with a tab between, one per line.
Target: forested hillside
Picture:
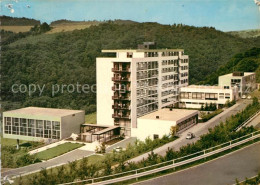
12	21
69	57
248	61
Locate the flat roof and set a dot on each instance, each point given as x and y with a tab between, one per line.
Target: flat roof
203	87
170	115
105	130
138	50
245	74
39	111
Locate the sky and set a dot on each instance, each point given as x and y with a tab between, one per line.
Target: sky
225	15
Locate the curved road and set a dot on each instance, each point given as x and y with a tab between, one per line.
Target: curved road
221	171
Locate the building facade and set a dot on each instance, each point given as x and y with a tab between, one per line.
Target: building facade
137	82
159	123
36	124
194	96
243	81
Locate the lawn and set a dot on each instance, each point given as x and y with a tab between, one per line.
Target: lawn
91	118
10	142
58	150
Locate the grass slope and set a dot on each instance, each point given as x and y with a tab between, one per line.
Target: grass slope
91	118
58	150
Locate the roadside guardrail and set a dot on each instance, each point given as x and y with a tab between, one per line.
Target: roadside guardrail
171	164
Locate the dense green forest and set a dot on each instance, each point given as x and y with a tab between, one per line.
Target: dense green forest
248	61
69	57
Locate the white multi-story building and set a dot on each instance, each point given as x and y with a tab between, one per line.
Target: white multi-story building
194	96
137	82
244	81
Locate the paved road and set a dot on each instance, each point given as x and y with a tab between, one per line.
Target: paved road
198	130
222	171
122	144
255	122
63	159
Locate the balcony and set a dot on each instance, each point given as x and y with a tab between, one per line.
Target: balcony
120	97
121	89
121	116
119	70
121	107
120	79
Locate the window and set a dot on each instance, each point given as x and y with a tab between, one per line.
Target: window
155	136
39	128
129	54
23	126
56	130
211	96
15	124
227	95
47	129
226	87
8	125
31	127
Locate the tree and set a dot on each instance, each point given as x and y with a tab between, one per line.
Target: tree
170	154
108	166
174	130
83	168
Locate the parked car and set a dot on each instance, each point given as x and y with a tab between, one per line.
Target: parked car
190	135
243	97
118	149
249	97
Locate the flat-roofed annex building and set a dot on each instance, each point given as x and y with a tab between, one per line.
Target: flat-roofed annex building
35	123
136	82
244	81
159	123
194	96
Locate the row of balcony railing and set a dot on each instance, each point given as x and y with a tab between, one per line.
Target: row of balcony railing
121	88
121	70
123	116
121	106
121	79
120	97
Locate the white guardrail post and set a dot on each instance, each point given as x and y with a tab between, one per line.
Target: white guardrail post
136	175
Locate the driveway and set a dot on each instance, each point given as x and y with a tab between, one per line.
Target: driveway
57	161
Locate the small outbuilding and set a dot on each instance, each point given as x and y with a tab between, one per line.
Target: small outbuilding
159	123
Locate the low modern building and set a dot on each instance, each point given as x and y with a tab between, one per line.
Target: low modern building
159	123
36	124
194	96
244	81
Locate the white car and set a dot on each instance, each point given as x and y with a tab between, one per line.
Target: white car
118	149
249	97
190	135
243	97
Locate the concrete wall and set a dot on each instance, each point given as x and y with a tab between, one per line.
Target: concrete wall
147	128
104	81
71	124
